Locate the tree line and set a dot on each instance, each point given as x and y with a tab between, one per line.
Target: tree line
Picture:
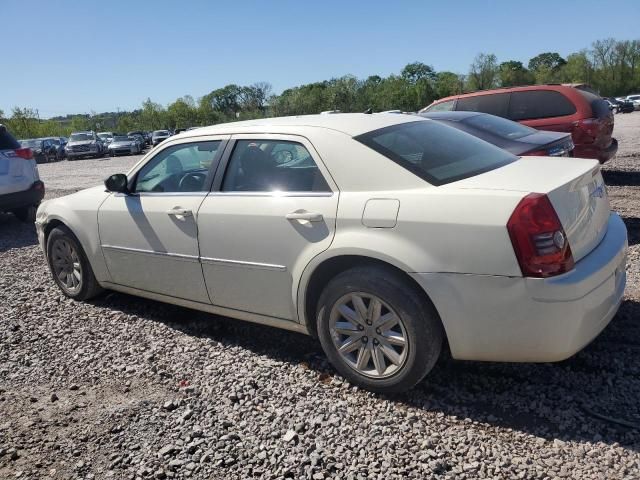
610	66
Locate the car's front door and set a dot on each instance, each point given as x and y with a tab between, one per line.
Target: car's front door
149	237
272	210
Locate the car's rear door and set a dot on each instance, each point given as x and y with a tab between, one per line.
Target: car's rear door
272	210
149	237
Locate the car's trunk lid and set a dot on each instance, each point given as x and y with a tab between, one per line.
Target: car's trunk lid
574	186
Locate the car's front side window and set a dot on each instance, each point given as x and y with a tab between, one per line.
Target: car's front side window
179	168
272	166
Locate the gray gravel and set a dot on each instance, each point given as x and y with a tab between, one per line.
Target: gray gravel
128	388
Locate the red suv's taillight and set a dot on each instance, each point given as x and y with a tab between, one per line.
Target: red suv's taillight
587	130
538	239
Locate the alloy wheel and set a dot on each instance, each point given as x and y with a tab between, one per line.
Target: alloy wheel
369	335
66	265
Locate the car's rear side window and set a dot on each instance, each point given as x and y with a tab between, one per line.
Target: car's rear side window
539	104
434	152
495	104
7	142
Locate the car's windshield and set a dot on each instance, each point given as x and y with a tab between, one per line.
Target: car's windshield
104	135
120	138
158	133
31	143
436	153
499	126
80	137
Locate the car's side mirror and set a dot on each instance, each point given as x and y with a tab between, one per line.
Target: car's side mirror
117	183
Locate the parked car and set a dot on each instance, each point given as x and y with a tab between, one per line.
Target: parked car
58	147
381	234
158	136
44	151
559	108
635	99
140	140
106	137
84	144
21	189
625	106
142	135
124	145
506	134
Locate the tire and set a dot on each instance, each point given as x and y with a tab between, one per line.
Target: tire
418	324
26	214
63	266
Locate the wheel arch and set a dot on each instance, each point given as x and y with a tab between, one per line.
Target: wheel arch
317	276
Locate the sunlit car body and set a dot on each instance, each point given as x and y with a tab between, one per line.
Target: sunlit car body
381	234
124	145
84	144
159	136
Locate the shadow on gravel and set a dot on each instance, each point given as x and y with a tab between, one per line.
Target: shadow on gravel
633	229
620	178
590	397
15	234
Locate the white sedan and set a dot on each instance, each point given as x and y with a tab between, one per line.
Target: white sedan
382	235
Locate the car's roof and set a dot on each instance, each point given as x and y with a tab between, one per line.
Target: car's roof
455	116
351	124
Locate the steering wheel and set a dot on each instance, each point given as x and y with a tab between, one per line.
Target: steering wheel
192	182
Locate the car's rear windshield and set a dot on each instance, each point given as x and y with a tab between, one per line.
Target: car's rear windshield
434	152
80	137
120	138
599	107
7	142
499	126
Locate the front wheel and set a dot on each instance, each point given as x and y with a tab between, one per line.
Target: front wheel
69	265
378	330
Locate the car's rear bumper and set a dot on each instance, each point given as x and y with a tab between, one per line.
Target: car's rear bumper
515	319
25	198
592	151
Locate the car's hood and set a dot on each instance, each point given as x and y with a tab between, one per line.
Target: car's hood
122	143
81	142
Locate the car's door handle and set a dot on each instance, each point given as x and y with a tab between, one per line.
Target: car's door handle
308	216
180	212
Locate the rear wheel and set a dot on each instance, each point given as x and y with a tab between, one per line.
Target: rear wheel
26	214
377	330
69	265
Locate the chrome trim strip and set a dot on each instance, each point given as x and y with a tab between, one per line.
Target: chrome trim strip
194	258
178	256
271	194
163	194
239	263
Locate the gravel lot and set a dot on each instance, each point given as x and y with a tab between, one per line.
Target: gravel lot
129	388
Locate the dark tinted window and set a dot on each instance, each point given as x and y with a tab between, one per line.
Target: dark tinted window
498	126
539	104
272	165
599	106
7	142
495	104
435	152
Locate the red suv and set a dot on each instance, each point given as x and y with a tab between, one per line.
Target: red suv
561	108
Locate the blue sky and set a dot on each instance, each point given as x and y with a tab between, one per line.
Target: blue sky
77	56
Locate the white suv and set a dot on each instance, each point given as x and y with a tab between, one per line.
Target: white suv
21	190
636	101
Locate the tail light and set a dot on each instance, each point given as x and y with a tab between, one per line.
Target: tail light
25	153
586	130
538	239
